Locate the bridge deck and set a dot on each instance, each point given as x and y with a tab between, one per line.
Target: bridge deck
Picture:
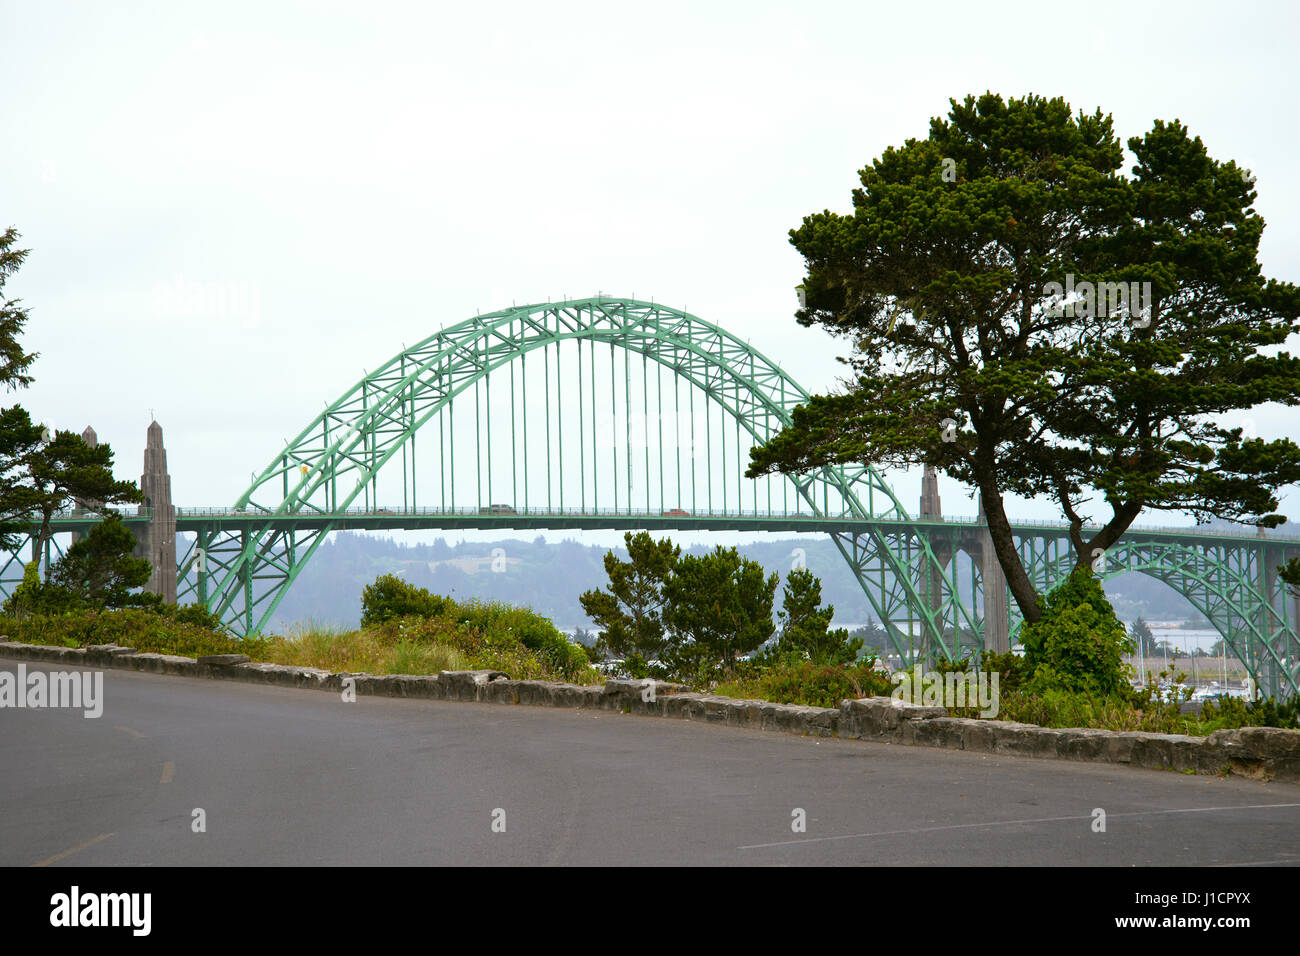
393	519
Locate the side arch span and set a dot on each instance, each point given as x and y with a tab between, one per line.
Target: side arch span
1230	582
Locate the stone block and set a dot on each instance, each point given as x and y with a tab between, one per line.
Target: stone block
223	660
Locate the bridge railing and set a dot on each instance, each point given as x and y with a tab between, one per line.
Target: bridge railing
489	511
64	514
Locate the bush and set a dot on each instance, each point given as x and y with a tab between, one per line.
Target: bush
390	598
815	685
196	614
526	626
146	631
805	625
1078	644
1010	668
1231	712
1058	707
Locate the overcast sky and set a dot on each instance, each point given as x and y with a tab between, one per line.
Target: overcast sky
363	174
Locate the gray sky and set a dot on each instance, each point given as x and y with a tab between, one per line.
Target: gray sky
352	177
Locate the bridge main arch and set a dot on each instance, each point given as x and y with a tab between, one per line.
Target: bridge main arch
334	463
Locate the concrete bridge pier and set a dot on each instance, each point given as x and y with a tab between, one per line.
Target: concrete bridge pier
997	619
979	545
932	583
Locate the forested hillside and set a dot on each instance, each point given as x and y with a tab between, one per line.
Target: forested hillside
549	577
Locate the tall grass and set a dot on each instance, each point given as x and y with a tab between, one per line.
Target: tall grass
368	651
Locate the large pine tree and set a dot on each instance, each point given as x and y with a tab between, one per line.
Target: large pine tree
951	282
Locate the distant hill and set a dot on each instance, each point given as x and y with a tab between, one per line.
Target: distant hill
549	578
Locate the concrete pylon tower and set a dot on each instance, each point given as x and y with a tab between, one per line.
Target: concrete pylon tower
157	542
932	582
930	506
997	618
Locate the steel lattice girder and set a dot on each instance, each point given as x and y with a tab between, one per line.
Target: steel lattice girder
336	457
331	462
1219	580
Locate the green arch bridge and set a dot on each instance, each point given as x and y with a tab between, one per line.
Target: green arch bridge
615	413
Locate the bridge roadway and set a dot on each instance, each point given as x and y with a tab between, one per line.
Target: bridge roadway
288	776
393	519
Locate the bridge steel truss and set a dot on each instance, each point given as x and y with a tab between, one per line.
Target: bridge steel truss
1231	579
332	465
1232	582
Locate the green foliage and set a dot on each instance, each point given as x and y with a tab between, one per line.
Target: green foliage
631	609
18	435
461	636
1060	707
1078	644
1150	710
391	597
536	633
146	631
98	573
66	468
1010	668
494	634
14	362
805	626
874	637
943	282
1290	575
194	614
1232	712
98	570
26	598
1142	636
637	667
719	607
808	683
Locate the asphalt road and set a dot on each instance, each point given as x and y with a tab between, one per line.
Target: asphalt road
300	777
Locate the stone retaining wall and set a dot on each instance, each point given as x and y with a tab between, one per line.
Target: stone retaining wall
1266	753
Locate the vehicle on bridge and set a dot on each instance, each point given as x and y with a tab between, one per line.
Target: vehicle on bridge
497	510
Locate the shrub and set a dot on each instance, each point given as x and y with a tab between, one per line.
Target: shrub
815	685
196	614
805	625
146	631
1058	707
1078	644
390	597
1010	667
1232	712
